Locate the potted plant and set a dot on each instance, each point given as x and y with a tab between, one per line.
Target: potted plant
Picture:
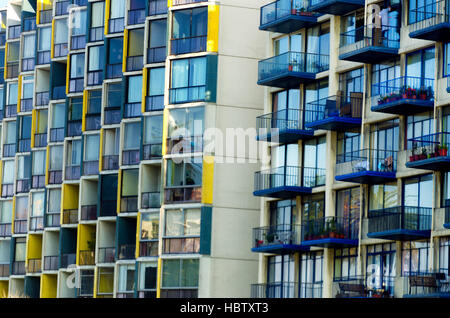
443	150
424	154
422	94
270	237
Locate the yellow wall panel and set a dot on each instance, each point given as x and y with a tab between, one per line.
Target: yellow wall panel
48	285
34	246
165	131
4	286
119	190
33	126
208	179
107	13
70	196
83	115
125	50
212	44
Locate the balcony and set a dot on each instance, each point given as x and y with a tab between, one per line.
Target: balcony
90	168
150	200
4	269
96	34
116	25
76	85
45	16
402	223
52	219
135	63
22	185
5	229
28	64
18	268
34	266
11	111
331	232
286	290
70	216
188	194
136	16
68	259
430	152
38	181
171	293
94	78
59	92
14	32
26	105
87	257
188	45
111	162
77	42
181	245
130	157
365	287
152	151
7	190
132	110
62	7
190	94
20	226
24	145
114	70
290	69
148	248
156	7
367	166
43	57
405	95
431	22
106	254
156	54
89	212
55	177
12	70
60	50
74	128
369	44
287	182
42	98
446	217
129	204
126	251
427	284
335	7
72	173
56	134
278	239
182	144
154	103
93	122
286	16
335	113
51	263
112	116
183	2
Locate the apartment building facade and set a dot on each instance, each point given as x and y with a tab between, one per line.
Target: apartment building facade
107	188
355	198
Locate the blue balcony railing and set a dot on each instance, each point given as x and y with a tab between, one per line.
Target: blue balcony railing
74	128
286	290
60	50
335	7
156	7
114	70
27	64
183	2
29	24
335	112
156	54
424	284
96	34
187	94
369	44
62	7
331	231
112	116
286	16
132	110
43	57
59	92
366	166
14	32
154	103
94	78
135	63
116	25
136	16
45	16
56	134
42	98
400	223
429	152
188	45
291	68
430	21
277	238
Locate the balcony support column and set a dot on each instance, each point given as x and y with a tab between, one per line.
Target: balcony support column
328	257
330	164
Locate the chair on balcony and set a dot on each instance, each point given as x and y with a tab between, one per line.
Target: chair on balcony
387	164
356	101
347	290
362	165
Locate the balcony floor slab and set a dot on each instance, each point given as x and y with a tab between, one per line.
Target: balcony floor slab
407	106
284	192
367	177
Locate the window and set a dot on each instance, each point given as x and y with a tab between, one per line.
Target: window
310	278
114	97
347	145
117	9
94	102
156	88
10	137
115	50
23	167
149	226
184	174
314	161
280	269
28	47
132	133
345	260
188	80
421	64
180	273
418	125
78	19
134	89
418	192
92	147
415	257
186	124
313	207
74	153
318	39
348	205
58	115
136	42
153	128
351	82
25	127
43	39
157	41
383	196
446	190
97	14
381	74
315	91
75	109
8	172
288	43
283	213
183	222
54	200
21	208
126	279
385	136
61	31
417	8
12	93
287	99
96	57
76	65
380	268
189	30
56	158
39	158
148	273
6	212
38	203
130	181
444	255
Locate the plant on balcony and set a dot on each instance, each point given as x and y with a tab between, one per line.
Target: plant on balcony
443	150
258	242
414	155
270	237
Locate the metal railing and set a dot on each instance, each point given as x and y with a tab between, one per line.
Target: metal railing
423	283
18	268
156	54
132	110
77	42
335	106
136	16
129	204
152	151
183	2
72	172
29	24
36	223
384	36
428	15
106	254
150	200
148	248
94	77
298	62
53	219
28	64
188	94
90	167
93	121
42	98
43	57
5	229
22	185
70	216
56	134
114	70
76	85
130	157
366	160
89	212
34	265
10	111
45	16
87	257
135	63
4	269
24	145
20	226
7	190
330	227
55	177
157	7
429	146
51	262
112	116
96	34
62	7
404	87
188	45
282	8
126	251
287	290
59	92
60	50
12	69
40	140
171	293
375	286
181	245
116	25
183	194
110	162
26	104
410	218
68	259
14	32
285	234
182	144
154	103
74	128
289	176
286	119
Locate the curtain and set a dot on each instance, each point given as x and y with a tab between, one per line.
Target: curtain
132	136
171	273
97	14
6	215
12	93
61	31
56	158
45	34
197	72
92	147
38	204
27	90
135	89
174	223
8	172
189	272
39	163
117	9
29	46
136	42
21	208
153	131
41	121
54	200
157	77
158	30
96	54
126	278
180	73
149	226
78	22
58	115
11	132
76	153
77	65
192	221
